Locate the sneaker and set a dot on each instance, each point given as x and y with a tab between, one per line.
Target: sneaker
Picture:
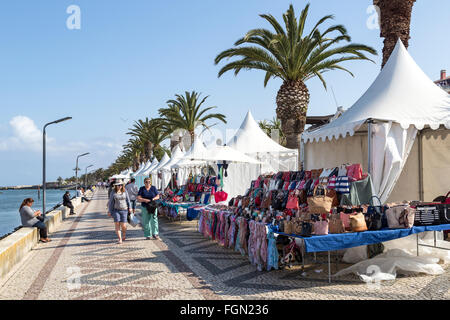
71	214
156	237
148	238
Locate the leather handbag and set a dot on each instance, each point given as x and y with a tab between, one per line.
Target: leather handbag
393	215
406	218
321	228
335	225
292	202
354	172
376	215
319	203
288	227
306	229
358	223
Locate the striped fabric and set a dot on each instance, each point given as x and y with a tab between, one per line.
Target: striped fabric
342	185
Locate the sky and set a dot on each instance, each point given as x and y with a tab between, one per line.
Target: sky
127	58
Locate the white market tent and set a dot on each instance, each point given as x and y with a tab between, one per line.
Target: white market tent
154	171
186	165
142	166
254	142
145	172
400	105
166	170
239	164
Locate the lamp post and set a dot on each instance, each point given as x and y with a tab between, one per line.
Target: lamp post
43	160
85	174
76	171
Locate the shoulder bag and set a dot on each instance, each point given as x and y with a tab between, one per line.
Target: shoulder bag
318	203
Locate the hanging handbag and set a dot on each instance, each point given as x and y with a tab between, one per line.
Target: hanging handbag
318	203
354	172
358	223
292	202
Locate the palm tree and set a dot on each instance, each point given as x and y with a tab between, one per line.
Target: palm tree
295	57
151	132
269	126
395	23
186	113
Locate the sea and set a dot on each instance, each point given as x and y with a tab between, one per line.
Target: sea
10	201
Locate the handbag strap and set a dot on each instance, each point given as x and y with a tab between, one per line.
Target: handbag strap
371	202
324	189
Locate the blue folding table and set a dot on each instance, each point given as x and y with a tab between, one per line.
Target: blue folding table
332	242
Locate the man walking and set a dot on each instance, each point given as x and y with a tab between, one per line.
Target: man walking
132	191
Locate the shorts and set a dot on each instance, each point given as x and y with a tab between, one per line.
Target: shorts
120	216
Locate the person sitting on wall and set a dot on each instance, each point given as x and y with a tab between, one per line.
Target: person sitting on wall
80	193
68	203
31	218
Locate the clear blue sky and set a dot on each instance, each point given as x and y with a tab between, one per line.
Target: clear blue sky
129	57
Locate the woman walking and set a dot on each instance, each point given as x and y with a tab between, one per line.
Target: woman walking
147	195
31	218
119	207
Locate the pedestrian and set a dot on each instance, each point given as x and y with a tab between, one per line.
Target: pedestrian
31	218
111	187
82	195
147	195
132	190
67	202
119	207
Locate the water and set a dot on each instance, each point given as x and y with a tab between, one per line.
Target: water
10	201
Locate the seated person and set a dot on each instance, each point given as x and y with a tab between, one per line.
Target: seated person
68	203
31	218
80	193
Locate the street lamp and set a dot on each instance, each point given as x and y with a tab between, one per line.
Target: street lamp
76	171
43	160
85	174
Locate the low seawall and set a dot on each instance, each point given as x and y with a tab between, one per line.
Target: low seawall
14	247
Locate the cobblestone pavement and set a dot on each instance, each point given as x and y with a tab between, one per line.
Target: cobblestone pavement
84	262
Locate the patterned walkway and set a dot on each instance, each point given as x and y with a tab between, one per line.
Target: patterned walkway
84	262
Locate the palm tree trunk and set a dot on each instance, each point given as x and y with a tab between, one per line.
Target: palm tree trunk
395	22
292	105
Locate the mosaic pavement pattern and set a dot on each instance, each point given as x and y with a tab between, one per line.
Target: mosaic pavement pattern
84	262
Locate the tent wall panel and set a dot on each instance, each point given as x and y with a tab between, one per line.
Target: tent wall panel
333	153
407	186
436	163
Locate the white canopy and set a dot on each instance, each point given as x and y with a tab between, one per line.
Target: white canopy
225	153
141	167
401	101
148	168
197	150
250	139
401	93
163	161
177	154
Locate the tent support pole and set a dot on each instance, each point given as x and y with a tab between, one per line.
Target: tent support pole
301	154
421	191
369	146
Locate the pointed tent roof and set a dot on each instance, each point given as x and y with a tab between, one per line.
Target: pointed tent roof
197	149
142	166
250	138
176	156
402	93
163	161
149	168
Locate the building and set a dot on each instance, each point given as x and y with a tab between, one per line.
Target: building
444	81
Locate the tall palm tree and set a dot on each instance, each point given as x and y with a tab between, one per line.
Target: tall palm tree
395	23
186	112
151	132
294	56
